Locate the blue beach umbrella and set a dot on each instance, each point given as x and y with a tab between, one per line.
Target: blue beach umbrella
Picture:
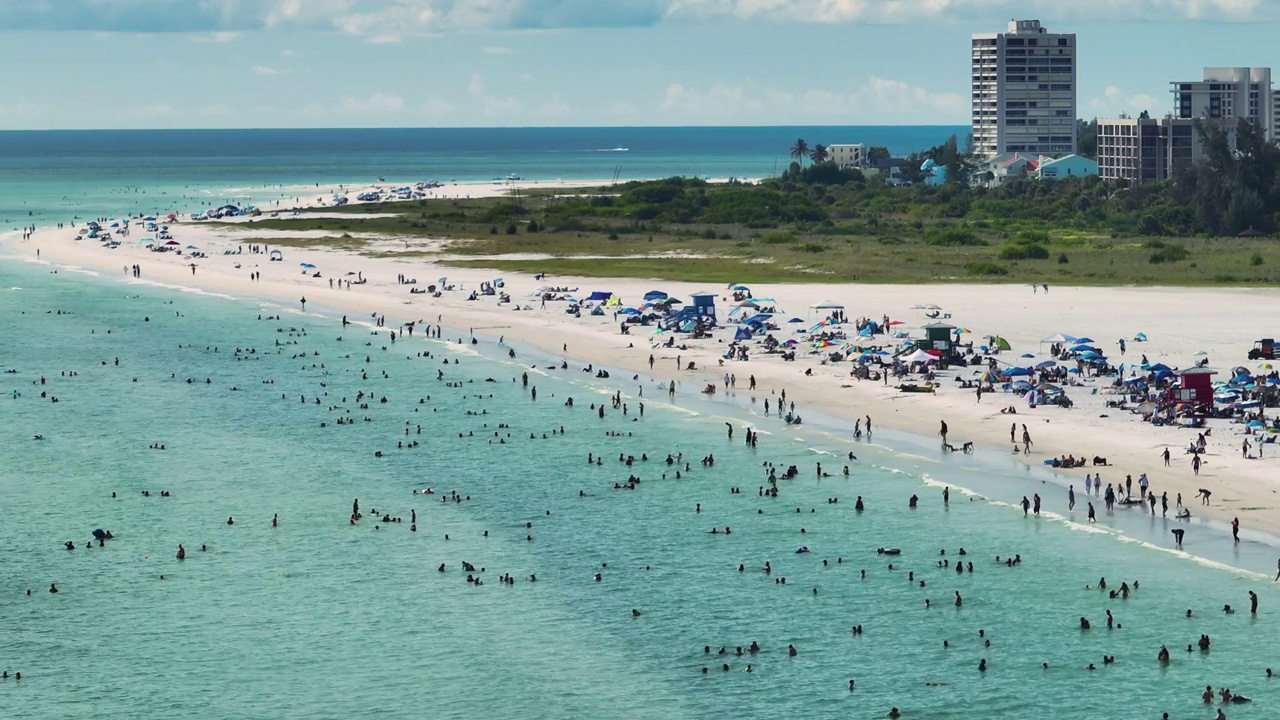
1047	364
307	265
1083	340
1027	355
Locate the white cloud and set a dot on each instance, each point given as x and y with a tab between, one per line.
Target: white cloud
877	100
497	50
392	20
1115	101
554	106
379	102
264	70
216	37
489	104
435	107
899	11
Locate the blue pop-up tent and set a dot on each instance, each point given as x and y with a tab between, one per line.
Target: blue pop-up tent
743	333
598	296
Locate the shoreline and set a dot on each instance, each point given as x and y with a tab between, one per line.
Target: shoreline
1176	319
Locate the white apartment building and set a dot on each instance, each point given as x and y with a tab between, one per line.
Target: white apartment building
1275	110
1228	94
848	156
1146	149
1024	91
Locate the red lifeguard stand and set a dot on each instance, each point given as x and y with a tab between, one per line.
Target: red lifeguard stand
1195	388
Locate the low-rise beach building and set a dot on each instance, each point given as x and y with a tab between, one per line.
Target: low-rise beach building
1065	167
848	156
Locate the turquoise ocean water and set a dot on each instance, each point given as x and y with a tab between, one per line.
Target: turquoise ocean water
47	177
320	618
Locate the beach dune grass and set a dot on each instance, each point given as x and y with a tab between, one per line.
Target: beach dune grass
651	230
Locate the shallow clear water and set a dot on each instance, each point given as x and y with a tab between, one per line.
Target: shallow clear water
319	618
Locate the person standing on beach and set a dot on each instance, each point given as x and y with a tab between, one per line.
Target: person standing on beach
1165	455
868	427
1093	516
1253	603
1036	503
1244	449
1026	439
1195	465
1013	430
1071	497
943	431
304	304
1235	530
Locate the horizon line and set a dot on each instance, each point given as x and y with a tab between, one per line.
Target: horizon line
465	127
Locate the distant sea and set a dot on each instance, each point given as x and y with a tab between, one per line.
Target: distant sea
60	175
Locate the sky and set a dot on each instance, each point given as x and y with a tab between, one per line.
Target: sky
89	64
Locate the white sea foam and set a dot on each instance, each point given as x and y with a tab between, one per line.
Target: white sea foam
1195	558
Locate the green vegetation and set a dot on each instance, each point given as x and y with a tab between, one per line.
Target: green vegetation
821	223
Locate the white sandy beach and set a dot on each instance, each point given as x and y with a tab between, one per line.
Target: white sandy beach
1179	322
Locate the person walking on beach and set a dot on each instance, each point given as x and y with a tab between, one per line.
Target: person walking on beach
943	431
1026	439
1244	449
1035	505
1071	497
1235	530
1165	455
1026	505
1093	515
304	304
1013	429
1195	465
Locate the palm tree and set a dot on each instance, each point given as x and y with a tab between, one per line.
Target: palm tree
800	151
819	154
